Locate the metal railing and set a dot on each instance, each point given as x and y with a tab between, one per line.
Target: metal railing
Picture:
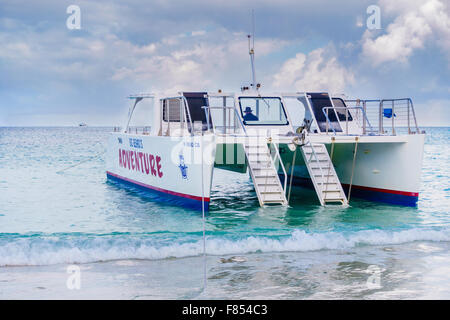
225	128
354	116
233	126
137	98
277	155
313	154
184	115
391	115
145	130
402	114
230	122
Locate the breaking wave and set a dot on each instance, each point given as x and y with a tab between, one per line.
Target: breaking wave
48	250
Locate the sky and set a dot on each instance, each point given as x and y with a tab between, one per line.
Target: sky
51	75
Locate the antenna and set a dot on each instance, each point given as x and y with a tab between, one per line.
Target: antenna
253	28
251	50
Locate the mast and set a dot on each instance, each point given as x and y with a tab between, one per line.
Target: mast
251	50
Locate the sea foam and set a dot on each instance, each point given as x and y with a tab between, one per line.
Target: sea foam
85	249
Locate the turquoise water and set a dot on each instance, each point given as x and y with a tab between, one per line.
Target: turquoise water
50	219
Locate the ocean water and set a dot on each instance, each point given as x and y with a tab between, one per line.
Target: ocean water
126	245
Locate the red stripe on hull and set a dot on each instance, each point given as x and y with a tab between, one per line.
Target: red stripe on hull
159	189
403	193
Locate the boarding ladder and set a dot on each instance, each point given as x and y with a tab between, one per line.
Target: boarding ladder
264	174
322	173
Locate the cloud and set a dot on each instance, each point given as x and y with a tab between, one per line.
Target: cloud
125	47
94	72
194	59
198	33
319	70
416	23
203	64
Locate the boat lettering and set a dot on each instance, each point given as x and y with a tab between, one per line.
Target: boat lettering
192	144
140	161
136	143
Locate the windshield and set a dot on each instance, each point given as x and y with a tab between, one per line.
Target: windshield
262	111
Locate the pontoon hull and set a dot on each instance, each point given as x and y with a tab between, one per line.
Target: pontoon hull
387	168
386	171
170	167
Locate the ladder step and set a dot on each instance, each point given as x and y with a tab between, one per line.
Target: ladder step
327	181
267	184
334	199
321	164
260	162
320	156
263	168
332	195
278	200
257	153
273	196
258	158
328	178
324	177
330	186
274	201
267	176
269	189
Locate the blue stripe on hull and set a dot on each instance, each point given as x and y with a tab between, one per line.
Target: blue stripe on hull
165	197
400	199
372	195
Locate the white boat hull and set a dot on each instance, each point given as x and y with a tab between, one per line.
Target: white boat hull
384	171
171	167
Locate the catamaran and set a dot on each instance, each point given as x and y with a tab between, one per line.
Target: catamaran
371	149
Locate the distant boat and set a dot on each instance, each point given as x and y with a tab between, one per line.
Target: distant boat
82	124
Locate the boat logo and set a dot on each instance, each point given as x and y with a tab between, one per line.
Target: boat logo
183	167
136	143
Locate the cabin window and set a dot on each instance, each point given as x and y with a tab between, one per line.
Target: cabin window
262	111
321	107
296	110
194	111
339	104
197	102
171	110
196	106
